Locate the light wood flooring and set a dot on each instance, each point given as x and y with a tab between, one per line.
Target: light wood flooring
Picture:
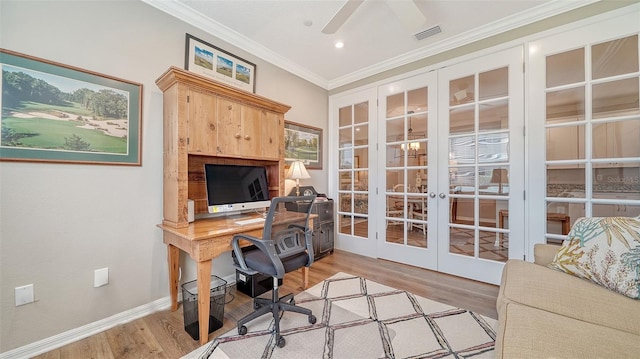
162	335
461	240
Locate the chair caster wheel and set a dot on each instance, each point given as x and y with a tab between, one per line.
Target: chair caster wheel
312	319
256	306
242	330
281	342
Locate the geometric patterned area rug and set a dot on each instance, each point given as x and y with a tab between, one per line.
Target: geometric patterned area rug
359	318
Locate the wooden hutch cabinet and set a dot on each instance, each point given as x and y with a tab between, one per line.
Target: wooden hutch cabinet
210	122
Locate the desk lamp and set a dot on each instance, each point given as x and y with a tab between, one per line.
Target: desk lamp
297	171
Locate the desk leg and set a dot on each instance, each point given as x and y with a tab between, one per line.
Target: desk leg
173	258
566	225
500	225
305	277
204	287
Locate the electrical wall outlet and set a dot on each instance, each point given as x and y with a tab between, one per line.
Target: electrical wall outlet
101	277
24	294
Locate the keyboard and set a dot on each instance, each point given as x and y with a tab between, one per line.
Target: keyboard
244	222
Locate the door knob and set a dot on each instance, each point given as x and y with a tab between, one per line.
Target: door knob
442	195
432	195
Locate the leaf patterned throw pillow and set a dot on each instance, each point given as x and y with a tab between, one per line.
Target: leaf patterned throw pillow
604	250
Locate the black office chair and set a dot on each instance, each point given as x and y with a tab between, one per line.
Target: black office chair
277	253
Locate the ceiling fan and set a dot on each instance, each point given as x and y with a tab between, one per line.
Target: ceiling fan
406	10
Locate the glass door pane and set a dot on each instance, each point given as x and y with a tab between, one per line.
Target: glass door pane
406	144
353	169
593	134
408	124
479	165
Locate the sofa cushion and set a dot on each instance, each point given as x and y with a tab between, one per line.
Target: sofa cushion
604	250
556	292
526	332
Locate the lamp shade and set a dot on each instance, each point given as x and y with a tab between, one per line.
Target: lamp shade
297	171
500	175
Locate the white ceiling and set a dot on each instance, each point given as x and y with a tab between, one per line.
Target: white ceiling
278	31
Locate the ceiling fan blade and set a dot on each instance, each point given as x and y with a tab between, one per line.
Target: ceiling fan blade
408	13
341	16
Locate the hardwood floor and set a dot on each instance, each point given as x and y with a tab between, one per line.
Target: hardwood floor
162	335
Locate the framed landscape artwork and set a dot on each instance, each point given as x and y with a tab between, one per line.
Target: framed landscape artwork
52	112
303	143
215	63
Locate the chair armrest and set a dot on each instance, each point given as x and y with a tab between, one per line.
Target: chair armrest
235	243
544	253
266	246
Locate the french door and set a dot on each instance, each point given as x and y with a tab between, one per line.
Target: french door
355	179
451	148
481	165
588	117
430	168
407	133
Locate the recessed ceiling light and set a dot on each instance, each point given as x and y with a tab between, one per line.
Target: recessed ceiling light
339	45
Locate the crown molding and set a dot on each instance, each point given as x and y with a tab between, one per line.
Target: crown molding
538	13
178	10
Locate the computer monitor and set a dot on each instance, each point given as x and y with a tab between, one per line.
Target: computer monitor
236	188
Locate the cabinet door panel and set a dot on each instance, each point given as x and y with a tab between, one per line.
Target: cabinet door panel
616	139
565	143
229	125
203	135
270	128
324	239
250	127
625	138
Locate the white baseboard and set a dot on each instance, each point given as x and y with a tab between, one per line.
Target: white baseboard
73	335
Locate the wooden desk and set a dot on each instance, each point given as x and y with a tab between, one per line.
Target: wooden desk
206	239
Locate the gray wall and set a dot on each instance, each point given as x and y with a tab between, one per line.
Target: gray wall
60	222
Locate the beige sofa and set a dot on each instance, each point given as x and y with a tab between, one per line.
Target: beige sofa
544	313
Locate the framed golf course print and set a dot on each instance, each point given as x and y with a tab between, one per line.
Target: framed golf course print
53	112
